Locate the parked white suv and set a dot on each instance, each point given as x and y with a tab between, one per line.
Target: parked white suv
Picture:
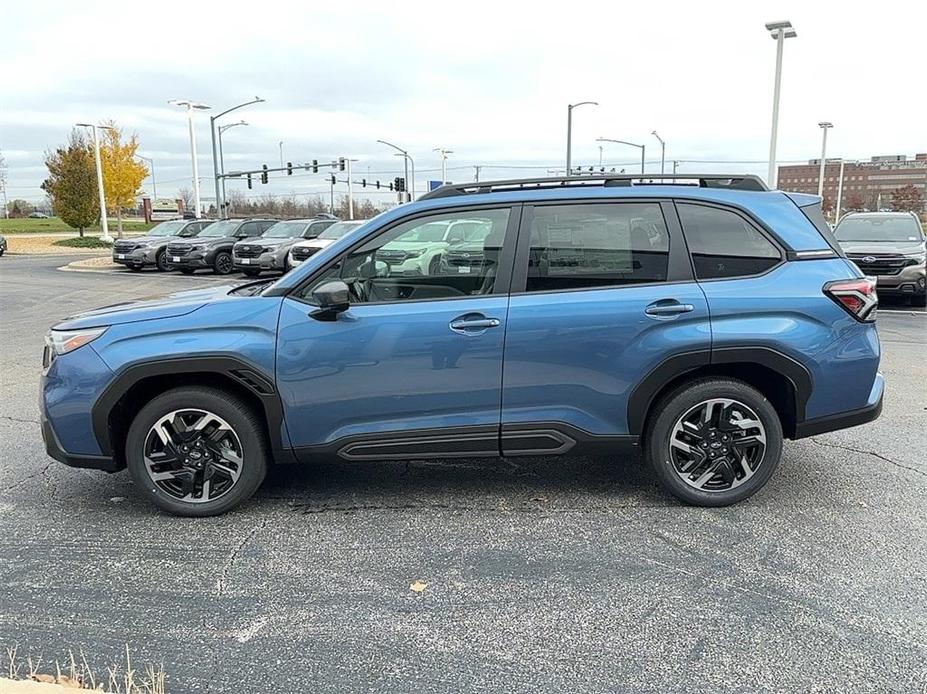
299	252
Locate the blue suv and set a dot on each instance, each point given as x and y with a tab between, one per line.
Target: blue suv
700	319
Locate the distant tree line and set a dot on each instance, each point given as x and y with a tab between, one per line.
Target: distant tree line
289	206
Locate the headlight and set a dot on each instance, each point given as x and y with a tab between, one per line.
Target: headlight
415	254
917	259
268	249
63	341
197	248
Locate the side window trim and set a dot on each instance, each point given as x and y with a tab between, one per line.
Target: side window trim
503	281
679	268
759	228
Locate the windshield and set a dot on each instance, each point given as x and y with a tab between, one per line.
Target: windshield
167	228
285	230
220	229
897	229
339	229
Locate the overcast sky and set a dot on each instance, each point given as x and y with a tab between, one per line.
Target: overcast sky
490	81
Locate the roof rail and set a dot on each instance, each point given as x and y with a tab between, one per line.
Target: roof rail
735	182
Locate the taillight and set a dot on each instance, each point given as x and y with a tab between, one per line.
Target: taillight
858	297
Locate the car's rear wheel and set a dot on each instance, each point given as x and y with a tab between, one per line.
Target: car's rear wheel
196	451
714	442
164	265
222	263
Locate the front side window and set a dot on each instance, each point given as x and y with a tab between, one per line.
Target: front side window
597	245
415	260
219	230
285	230
724	244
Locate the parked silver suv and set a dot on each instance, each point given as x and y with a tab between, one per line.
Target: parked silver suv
889	246
138	252
270	250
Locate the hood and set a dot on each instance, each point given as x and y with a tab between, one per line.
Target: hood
170	306
315	243
879	247
270	243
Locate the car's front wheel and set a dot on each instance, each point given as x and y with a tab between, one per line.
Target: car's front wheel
222	263
163	264
196	451
714	442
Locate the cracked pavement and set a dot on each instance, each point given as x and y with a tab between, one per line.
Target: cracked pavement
542	575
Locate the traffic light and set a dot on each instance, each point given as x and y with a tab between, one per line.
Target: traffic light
264	174
249	181
391	185
378	185
363	183
341	163
315	166
289	168
333	179
399	183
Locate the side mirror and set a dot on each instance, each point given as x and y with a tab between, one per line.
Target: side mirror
332	298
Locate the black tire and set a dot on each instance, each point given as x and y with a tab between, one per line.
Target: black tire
245	423
251	273
682	400
187	270
162	263
434	266
222	263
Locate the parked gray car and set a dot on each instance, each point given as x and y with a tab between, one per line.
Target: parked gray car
270	250
889	246
151	249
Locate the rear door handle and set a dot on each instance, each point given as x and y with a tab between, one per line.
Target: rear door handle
668	308
474	322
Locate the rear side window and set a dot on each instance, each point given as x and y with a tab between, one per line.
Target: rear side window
724	244
597	245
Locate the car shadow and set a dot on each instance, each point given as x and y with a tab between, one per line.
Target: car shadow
500	484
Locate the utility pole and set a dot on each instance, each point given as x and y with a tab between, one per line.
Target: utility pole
779	31
280	145
476	176
220	200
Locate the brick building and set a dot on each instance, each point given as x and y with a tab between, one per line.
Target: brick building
865	184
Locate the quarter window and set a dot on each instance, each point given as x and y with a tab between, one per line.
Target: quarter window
443	256
724	244
597	245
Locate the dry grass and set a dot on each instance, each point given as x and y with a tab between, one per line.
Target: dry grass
120	678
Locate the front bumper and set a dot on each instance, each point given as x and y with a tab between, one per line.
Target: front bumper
54	449
139	256
265	261
197	259
911	280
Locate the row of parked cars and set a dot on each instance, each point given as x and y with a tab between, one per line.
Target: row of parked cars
227	245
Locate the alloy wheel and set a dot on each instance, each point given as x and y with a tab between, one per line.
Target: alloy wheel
223	263
717	445
193	455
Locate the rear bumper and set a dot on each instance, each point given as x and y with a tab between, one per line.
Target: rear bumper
845	420
54	449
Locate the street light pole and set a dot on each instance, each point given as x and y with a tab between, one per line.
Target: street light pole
192	106
212	132
221	206
825	126
350	191
443	152
154	185
643	148
779	31
405	155
662	151
569	152
104	226
839	193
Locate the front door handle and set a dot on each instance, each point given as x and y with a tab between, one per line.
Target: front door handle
667	308
474	322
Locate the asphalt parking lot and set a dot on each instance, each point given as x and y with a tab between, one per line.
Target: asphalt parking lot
542	575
